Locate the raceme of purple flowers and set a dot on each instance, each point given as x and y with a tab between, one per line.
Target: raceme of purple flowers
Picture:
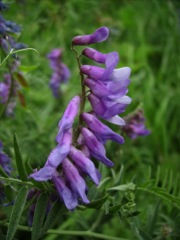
7	28
107	96
135	125
61	72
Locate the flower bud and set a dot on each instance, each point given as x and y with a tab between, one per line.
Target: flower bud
99	35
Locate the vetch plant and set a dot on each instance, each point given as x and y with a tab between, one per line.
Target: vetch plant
83	181
71	160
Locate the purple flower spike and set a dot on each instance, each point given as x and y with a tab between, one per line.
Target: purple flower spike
74	179
57	155
68	117
96	148
69	197
84	164
100	35
102	132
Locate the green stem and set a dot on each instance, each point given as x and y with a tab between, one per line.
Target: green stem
17	51
97	222
72	233
14	180
83	97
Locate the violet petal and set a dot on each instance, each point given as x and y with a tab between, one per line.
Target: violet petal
74	179
96	148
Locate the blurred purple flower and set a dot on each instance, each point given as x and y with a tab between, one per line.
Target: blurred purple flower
135	125
7	28
61	73
2	6
4	160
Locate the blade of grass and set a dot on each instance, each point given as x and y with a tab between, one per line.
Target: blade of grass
16	212
19	161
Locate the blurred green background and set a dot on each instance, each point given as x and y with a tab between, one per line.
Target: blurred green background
146	34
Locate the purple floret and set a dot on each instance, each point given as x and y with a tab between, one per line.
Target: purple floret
100	35
135	125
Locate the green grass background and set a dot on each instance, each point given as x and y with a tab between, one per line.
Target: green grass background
146	34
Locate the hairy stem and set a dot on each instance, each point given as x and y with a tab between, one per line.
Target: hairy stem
14	180
83	98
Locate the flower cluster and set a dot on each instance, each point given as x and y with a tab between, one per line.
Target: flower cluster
71	160
61	72
135	125
4	160
7	28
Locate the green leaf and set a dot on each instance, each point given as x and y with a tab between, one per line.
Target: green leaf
123	187
115	208
162	193
151	223
39	215
144	235
3	173
97	203
28	68
54	212
16	212
119	177
12	51
19	161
